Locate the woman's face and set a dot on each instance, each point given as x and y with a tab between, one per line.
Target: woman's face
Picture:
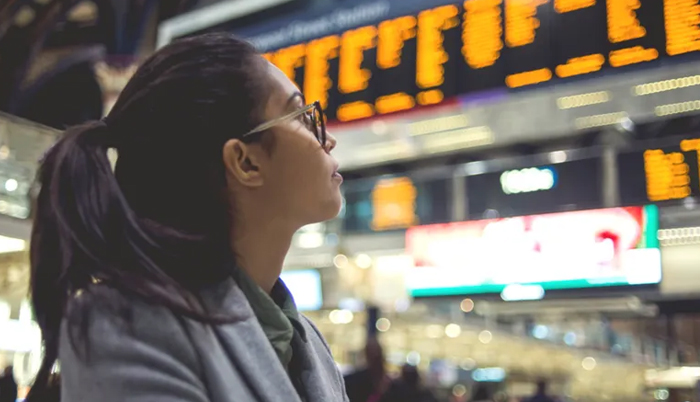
296	178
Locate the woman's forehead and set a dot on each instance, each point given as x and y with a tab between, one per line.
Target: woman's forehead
282	89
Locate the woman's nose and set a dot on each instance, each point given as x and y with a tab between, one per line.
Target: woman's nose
331	142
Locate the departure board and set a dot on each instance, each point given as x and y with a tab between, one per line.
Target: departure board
435	53
661	173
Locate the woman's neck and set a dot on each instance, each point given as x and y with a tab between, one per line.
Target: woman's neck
260	245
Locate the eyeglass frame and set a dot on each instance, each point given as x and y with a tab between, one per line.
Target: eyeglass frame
321	138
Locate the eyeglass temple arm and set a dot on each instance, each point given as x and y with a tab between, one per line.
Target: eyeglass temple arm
278	120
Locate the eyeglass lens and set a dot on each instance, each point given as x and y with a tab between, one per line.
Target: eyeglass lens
314	120
319	123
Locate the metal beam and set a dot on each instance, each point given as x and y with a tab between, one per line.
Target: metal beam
22	52
210	16
8	9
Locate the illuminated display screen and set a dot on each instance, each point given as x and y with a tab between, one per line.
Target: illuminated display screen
374	205
305	287
660	174
431	54
568	250
564	186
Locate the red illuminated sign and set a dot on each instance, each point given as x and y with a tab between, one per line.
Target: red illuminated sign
605	247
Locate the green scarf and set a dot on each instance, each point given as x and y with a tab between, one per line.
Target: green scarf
276	312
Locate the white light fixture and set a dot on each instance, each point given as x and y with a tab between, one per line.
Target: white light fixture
453	330
627	125
413	358
440	124
557	156
570	338
491	374
679	236
468	364
588	363
574	101
5	311
11	185
340	317
485	337
379	127
474	168
600	120
518	292
310	240
363	261
340	261
467	305
677	108
528	180
540	332
434	331
402	305
11	244
25	312
459	390
383	324
666	85
458	139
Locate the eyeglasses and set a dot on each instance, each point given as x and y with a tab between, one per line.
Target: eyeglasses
312	117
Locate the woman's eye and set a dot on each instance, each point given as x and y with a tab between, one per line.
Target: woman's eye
306	120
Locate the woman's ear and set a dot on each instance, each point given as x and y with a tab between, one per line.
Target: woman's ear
242	162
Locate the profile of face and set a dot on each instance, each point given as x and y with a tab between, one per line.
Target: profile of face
292	175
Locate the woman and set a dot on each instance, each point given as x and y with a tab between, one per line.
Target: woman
159	282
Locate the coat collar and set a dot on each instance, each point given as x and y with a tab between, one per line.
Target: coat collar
246	344
249	350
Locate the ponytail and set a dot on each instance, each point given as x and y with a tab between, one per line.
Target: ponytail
84	231
74	200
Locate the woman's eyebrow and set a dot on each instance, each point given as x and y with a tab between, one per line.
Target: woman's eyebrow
295	96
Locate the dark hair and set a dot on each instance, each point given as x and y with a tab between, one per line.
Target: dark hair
164	210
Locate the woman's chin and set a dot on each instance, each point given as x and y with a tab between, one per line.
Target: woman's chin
329	209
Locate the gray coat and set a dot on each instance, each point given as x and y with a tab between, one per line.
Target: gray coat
160	357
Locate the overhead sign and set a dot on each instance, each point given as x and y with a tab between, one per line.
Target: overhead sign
563	31
582	249
394	203
496	117
375	58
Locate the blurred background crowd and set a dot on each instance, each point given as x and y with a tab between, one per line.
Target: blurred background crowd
520	217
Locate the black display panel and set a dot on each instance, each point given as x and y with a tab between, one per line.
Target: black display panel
552	188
